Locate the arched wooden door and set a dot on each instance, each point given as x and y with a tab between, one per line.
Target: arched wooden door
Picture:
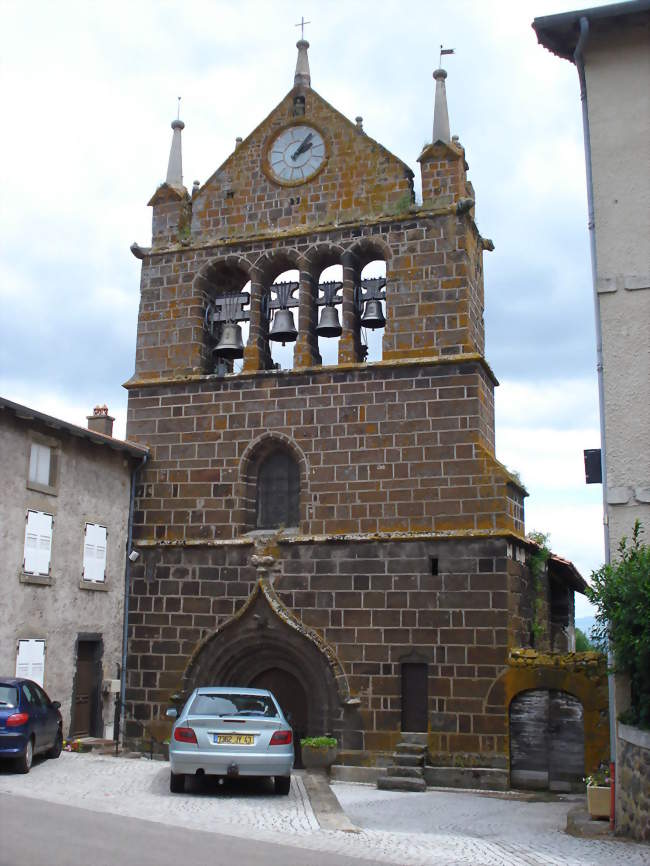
291	696
547	742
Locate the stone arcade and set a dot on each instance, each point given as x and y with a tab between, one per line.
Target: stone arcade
341	533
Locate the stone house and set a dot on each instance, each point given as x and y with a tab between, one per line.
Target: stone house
610	47
64	516
339	532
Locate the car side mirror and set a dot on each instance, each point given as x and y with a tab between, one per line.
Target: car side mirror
56	705
172	713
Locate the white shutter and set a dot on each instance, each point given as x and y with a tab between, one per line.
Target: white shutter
38	543
39	464
94	567
30	661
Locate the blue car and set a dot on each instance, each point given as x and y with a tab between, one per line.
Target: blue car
30	723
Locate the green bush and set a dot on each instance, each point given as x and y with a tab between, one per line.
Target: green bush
621	592
319	742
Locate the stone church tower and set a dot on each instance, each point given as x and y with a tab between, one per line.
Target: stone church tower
339	532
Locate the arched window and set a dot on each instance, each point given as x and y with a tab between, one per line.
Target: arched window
278	491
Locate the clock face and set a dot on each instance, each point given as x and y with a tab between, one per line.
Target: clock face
296	154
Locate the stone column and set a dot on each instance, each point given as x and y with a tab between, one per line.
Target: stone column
350	340
257	354
306	352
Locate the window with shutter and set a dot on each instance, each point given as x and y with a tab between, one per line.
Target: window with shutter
94	565
30	660
38	543
43	465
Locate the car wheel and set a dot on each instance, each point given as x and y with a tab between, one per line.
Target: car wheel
25	760
177	783
56	749
282	784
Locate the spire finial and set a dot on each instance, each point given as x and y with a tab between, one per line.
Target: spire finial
440	114
302	76
175	167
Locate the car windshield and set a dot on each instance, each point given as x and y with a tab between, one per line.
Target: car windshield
232	705
8	696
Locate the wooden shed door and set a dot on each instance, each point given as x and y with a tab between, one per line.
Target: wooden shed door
87	690
546	740
415	696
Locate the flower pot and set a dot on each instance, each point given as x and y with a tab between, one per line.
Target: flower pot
314	758
598	799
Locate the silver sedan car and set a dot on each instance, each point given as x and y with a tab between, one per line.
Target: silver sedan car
225	731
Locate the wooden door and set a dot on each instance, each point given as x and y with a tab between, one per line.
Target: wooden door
415	697
86	707
546	740
289	693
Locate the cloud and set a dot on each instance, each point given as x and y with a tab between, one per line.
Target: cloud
91	90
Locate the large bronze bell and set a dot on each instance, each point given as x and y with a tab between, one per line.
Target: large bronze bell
230	343
284	329
373	316
329	325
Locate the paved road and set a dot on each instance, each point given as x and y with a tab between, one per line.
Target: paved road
429	829
36	832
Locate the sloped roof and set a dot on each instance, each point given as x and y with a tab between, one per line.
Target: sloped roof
27	414
560	33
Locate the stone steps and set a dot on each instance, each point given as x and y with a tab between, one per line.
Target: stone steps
398	783
407	770
408	760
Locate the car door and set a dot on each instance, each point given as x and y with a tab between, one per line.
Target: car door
36	716
50	717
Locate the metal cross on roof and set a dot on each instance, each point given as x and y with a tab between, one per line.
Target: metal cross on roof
301	24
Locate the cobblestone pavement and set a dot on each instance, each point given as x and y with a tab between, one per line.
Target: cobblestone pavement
441	828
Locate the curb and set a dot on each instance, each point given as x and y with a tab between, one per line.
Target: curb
327	808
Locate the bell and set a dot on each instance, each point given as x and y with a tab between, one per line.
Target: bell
230	344
283	330
373	316
329	325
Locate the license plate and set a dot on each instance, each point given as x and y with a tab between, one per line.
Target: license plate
234	739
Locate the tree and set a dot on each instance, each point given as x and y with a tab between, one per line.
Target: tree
583	644
621	593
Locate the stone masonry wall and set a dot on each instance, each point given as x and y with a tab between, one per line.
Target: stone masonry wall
374	603
632	775
382	448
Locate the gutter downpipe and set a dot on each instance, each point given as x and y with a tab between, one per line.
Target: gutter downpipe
578	59
127	591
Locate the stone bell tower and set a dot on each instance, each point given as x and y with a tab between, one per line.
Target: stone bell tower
341	533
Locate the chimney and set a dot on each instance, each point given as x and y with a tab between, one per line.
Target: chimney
100	421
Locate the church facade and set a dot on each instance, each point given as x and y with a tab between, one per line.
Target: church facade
341	533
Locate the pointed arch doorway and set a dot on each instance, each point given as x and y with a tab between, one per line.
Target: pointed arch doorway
291	696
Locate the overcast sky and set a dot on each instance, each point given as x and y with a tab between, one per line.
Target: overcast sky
89	91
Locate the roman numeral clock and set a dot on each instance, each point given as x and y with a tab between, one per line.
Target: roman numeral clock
296	154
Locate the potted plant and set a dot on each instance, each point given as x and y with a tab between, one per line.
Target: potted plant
319	752
598	793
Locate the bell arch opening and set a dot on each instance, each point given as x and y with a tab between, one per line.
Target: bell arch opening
225	287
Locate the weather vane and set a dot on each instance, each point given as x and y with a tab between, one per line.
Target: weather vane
444	51
178	109
301	24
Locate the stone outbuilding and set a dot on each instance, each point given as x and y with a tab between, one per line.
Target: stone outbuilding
332	524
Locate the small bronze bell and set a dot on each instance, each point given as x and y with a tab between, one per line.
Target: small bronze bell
283	329
373	316
329	325
230	343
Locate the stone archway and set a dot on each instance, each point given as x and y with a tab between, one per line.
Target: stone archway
264	643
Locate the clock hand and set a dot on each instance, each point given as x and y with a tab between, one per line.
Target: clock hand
303	147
